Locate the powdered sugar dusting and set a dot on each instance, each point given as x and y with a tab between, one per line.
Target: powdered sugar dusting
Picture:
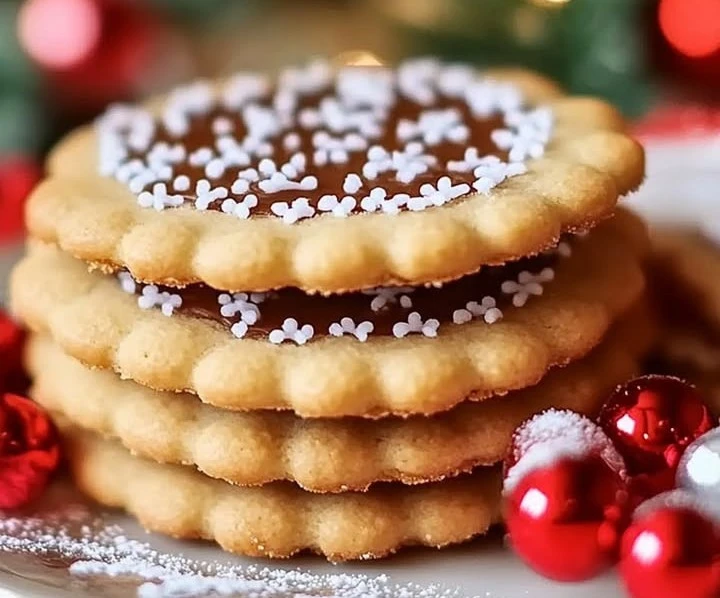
95	549
554	435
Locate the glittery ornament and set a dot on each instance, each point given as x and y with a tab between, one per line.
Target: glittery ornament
672	548
699	469
29	450
565	496
651	420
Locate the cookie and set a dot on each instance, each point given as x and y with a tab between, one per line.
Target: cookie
549	318
334	180
684	272
279	519
324	455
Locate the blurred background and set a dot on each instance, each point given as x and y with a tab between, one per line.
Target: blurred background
63	61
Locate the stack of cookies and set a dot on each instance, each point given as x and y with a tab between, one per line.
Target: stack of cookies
306	312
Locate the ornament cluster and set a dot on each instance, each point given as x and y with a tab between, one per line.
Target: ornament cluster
638	487
29	444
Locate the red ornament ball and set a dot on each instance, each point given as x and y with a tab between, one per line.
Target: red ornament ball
92	51
651	420
672	548
18	176
29	450
565	497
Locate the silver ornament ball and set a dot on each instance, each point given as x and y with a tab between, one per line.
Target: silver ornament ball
699	468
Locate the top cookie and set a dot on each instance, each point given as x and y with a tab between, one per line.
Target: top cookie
334	180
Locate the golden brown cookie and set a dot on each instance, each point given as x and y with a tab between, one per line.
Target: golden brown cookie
279	519
336	180
320	454
92	319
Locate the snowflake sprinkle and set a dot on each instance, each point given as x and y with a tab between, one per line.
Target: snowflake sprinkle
527	284
347	326
291	331
300	208
415	324
153	297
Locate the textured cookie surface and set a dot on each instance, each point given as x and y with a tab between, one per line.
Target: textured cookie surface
416	208
93	320
319	454
279	519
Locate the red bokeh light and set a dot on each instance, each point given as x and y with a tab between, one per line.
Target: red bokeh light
692	27
59	34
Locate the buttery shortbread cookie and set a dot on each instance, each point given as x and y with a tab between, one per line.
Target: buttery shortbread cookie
319	454
332	180
279	519
412	366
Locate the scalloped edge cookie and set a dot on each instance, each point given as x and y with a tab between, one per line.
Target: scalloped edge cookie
323	455
587	165
279	519
93	320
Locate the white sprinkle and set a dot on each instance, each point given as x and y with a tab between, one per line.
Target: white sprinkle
127	282
291	331
527	284
200	157
383	296
215	168
181	183
222	126
347	326
152	297
206	194
299	209
240	209
415	324
352	183
291	142
339	208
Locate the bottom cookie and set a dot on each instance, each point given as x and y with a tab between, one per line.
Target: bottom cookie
280	519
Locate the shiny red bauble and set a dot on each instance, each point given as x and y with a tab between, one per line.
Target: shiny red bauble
651	420
29	450
671	551
565	519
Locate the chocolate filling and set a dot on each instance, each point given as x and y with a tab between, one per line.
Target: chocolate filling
393	304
